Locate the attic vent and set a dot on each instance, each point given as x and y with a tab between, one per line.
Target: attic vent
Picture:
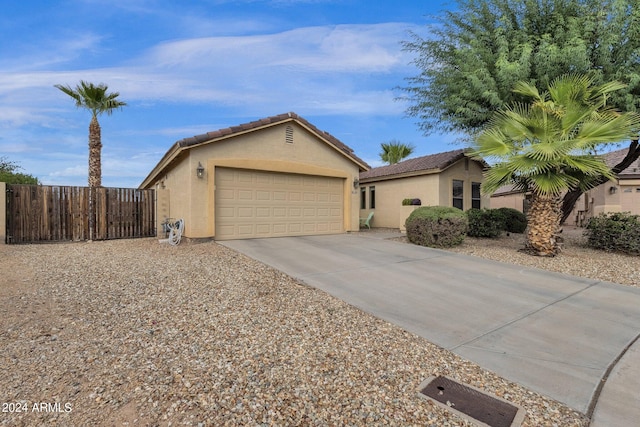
288	138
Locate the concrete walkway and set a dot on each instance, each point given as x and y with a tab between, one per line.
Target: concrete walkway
552	333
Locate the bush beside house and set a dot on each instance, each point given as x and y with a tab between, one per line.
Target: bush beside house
485	223
437	226
490	223
619	232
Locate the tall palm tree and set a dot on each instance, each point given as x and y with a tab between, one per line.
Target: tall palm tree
394	151
548	147
97	100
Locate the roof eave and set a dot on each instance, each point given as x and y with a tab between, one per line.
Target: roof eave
362	166
166	160
400	175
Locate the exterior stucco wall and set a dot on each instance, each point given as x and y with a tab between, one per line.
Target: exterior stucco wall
435	189
513	201
467	171
193	198
390	193
602	199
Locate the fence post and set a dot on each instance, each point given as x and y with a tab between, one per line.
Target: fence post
3	213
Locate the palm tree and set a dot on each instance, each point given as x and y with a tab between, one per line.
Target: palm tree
394	151
548	147
98	101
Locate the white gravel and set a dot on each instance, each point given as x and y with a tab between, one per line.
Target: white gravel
137	333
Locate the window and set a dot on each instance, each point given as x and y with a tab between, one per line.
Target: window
372	197
475	195
363	198
288	135
458	193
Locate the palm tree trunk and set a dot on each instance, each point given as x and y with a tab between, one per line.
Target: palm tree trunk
543	225
95	170
95	153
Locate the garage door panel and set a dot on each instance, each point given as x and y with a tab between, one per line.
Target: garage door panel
295	196
225	212
245	195
264	204
263	195
294	228
246	212
263	213
226	194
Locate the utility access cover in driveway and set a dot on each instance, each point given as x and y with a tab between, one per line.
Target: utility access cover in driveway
472	403
552	333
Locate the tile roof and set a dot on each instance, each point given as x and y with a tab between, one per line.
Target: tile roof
437	161
614	157
210	136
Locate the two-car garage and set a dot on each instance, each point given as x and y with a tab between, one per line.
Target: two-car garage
273	177
251	204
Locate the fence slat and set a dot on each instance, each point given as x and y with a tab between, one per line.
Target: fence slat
61	213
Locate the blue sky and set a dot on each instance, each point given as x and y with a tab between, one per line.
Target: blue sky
188	67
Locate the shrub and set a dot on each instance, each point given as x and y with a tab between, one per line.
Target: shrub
614	232
485	223
436	226
514	220
411	202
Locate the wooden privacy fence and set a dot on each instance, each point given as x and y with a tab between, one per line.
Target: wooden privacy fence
37	213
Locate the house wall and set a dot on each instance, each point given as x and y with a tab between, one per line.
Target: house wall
390	193
625	198
467	171
435	189
513	201
265	149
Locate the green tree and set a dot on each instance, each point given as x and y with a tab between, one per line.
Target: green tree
9	174
475	54
394	151
547	146
97	100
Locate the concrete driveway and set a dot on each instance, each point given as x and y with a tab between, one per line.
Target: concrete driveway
553	333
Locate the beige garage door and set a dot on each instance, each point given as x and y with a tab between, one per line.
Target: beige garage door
269	204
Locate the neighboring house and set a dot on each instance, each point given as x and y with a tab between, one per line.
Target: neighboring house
621	195
279	176
444	179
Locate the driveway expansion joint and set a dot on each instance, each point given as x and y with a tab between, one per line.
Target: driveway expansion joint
524	316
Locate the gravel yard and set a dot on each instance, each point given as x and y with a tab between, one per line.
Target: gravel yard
137	333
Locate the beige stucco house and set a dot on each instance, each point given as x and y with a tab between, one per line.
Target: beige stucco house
620	195
444	179
279	176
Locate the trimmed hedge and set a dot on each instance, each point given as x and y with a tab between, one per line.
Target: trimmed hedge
618	232
485	223
436	226
514	220
491	222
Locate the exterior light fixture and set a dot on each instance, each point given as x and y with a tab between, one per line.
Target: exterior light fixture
612	190
356	183
200	171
